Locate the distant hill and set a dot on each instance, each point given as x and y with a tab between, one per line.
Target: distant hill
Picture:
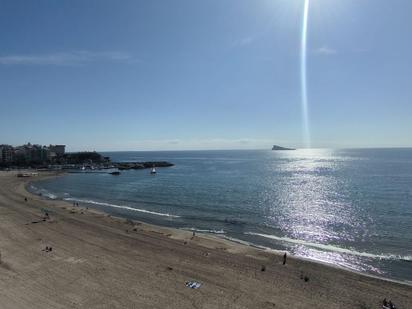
276	147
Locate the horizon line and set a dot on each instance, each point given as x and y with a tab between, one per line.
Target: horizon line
246	149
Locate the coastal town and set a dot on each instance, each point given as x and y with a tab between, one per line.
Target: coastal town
55	157
30	154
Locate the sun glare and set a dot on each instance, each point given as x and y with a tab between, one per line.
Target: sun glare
303	76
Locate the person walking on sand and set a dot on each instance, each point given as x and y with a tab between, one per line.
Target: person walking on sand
284	259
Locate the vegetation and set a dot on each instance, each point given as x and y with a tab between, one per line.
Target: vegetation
85	157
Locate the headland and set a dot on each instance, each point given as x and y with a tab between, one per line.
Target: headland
276	147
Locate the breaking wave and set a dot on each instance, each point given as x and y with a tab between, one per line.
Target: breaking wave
334	248
42	192
204	231
121	207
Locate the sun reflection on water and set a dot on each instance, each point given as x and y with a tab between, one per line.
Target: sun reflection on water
309	204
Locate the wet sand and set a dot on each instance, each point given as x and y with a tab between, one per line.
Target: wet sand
99	261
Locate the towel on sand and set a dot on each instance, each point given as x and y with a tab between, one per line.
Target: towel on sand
193	284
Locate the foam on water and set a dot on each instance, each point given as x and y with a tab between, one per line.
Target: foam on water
121	207
204	230
333	248
42	192
250	244
50	195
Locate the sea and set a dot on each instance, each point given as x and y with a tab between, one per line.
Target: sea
351	208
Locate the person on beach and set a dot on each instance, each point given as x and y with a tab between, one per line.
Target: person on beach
25	199
284	259
388	304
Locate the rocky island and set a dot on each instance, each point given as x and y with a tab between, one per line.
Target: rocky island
276	147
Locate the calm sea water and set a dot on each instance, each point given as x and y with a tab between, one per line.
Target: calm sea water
351	208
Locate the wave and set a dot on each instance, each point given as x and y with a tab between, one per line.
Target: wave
407	258
42	192
334	248
250	244
204	231
121	207
48	195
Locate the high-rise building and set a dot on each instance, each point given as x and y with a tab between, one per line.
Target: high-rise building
6	154
59	150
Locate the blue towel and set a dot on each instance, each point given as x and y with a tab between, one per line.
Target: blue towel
193	284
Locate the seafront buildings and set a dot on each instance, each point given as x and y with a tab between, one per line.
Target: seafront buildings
6	154
30	153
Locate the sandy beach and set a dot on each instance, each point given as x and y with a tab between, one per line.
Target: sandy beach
98	261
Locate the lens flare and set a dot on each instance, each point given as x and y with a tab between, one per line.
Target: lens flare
303	77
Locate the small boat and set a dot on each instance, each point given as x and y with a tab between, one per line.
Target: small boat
153	171
115	173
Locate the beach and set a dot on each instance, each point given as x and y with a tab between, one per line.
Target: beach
101	261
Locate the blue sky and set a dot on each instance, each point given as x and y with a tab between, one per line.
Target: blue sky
185	74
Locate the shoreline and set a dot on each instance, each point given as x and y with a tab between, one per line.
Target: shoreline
188	232
216	236
124	259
